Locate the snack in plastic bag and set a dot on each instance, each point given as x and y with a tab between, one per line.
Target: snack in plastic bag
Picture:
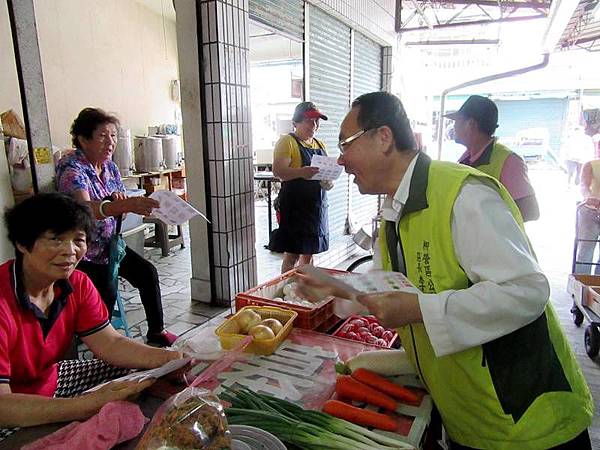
192	419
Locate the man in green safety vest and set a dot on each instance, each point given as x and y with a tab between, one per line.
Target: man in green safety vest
474	126
481	334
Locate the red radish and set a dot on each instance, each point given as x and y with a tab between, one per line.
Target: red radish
348	387
341	334
381	343
381	384
359	323
359	416
378	331
352	335
371	319
387	335
348	327
370	339
362	331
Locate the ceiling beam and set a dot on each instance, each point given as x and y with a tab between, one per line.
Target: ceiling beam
585	40
455	42
422	14
501	3
475	22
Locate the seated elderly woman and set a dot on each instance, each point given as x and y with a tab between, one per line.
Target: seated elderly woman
90	176
44	303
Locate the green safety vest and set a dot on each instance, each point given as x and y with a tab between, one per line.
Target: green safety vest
522	391
492	159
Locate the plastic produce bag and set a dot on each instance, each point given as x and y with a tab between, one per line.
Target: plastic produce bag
20	168
191	419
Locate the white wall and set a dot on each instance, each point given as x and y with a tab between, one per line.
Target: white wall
6	201
9	85
9	99
114	54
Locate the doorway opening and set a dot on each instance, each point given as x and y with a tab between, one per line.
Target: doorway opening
276	87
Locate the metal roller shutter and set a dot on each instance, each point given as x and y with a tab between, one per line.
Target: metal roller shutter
329	88
366	78
286	16
518	115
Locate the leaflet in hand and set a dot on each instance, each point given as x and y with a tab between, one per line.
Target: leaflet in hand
173	209
365	283
329	169
143	375
378	281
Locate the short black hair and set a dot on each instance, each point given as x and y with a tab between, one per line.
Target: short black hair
55	212
87	121
382	108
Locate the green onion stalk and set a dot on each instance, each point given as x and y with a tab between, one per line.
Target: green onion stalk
306	428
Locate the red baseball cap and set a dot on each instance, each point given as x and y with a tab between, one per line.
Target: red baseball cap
307	110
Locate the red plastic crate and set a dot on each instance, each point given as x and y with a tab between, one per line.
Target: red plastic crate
308	318
352	317
328	324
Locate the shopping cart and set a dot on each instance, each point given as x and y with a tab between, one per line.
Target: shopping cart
585	292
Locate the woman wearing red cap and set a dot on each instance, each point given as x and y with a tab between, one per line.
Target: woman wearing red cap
303	229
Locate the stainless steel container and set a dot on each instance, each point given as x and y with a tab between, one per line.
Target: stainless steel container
171	154
122	156
148	154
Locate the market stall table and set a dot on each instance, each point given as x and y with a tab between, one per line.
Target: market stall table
301	370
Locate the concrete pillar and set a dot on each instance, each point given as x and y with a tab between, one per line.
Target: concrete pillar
387	69
33	95
216	127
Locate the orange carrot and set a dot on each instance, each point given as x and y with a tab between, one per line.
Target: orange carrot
381	384
359	416
348	387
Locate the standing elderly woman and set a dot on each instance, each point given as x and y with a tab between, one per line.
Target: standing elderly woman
303	230
91	177
44	302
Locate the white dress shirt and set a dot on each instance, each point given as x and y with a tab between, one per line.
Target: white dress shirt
509	289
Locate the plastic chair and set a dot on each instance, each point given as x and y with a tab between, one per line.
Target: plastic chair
119	318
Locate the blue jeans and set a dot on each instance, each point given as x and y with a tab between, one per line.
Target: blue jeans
588	228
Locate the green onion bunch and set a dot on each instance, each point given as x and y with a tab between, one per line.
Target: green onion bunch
307	429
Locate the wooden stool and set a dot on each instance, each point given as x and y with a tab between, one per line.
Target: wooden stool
162	238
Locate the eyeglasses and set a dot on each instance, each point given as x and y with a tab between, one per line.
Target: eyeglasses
351	139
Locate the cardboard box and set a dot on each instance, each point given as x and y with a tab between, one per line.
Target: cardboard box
578	284
592	298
